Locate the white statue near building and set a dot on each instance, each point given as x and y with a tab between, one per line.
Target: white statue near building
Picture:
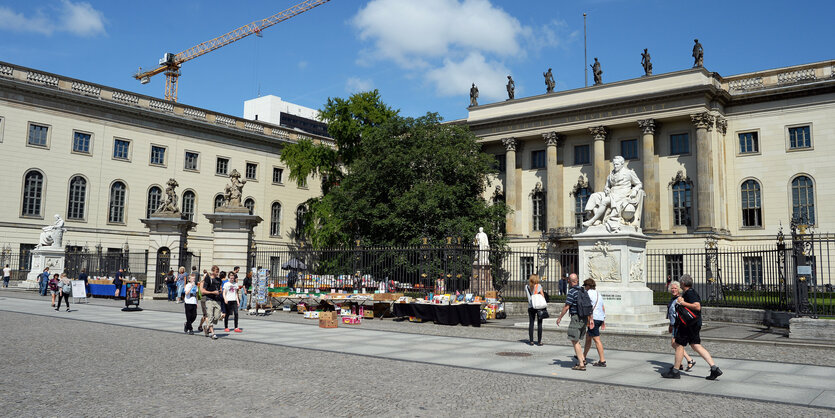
620	202
53	235
483	257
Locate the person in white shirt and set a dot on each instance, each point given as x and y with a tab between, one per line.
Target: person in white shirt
7	275
599	317
190	302
231	298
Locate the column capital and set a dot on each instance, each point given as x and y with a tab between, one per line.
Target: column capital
552	139
599	132
702	120
647	125
721	125
510	143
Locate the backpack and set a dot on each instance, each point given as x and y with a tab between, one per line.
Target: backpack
584	306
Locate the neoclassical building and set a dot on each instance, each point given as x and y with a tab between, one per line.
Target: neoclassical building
733	157
100	158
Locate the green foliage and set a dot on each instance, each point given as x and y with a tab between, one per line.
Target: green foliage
350	120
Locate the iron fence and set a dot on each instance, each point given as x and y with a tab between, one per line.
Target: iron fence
134	264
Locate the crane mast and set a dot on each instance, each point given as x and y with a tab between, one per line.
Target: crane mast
170	62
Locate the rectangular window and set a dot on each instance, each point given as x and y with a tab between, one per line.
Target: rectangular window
302	183
157	155
251	171
121	149
278	175
38	135
81	142
527	267
752	270
537	159
629	149
800	137
749	143
222	166
679	144
25	259
674	265
501	163
2	125
581	154
191	161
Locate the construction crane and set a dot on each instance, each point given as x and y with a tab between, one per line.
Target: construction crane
170	62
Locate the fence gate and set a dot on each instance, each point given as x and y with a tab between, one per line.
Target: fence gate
163	265
803	255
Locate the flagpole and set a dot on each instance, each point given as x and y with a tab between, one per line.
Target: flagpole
585	52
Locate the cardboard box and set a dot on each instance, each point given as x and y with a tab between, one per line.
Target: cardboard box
387	296
368	313
351	320
491	294
328	320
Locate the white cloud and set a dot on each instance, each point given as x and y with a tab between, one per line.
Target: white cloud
302	64
455	78
356	85
80	19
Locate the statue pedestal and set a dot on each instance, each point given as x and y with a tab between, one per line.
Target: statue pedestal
42	258
232	232
168	234
617	263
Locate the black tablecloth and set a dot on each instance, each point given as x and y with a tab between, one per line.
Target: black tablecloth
464	314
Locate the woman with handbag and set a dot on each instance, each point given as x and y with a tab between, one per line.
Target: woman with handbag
64	291
54	284
672	315
536	308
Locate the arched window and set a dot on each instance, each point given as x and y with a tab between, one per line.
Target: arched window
77	198
803	199
682	202
118	192
154	199
751	204
188	204
249	203
275	220
32	193
538	209
218	201
301	213
581	197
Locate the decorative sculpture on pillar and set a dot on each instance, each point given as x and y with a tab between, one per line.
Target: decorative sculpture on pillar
620	202
52	236
233	191
511	88
473	96
169	205
698	55
646	63
549	81
598	73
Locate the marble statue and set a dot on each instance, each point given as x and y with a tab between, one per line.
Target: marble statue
234	190
52	235
597	72
646	63
473	96
169	204
698	54
511	88
549	81
483	256
620	202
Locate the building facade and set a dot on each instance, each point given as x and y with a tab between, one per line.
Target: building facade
100	158
732	158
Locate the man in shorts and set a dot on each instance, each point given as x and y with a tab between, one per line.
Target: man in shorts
577	326
689	334
210	288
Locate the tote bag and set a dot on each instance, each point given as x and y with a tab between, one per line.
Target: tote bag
537	300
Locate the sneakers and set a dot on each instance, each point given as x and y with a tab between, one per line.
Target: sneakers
214	337
238	330
714	373
226	329
57	309
190	333
68	309
200	328
671	374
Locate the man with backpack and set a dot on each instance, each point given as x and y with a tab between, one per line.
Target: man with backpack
579	307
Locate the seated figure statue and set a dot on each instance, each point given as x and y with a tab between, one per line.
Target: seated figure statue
620	202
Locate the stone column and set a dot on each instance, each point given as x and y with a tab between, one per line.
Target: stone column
600	169
510	183
704	182
722	128
552	173
231	236
166	230
652	200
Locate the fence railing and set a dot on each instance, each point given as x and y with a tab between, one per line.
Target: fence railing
134	263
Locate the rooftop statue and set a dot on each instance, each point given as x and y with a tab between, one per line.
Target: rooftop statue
511	88
549	81
698	54
473	96
646	63
597	72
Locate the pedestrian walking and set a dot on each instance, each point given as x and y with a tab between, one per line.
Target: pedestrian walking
64	291
579	320
598	323
675	289
53	287
43	282
535	310
563	284
117	281
202	301
171	283
181	283
689	333
7	275
222	277
190	303
210	290
230	296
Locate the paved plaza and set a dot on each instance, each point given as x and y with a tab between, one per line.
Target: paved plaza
97	360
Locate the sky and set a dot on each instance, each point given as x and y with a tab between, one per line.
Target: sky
422	55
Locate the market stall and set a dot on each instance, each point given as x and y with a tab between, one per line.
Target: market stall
104	287
452	314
